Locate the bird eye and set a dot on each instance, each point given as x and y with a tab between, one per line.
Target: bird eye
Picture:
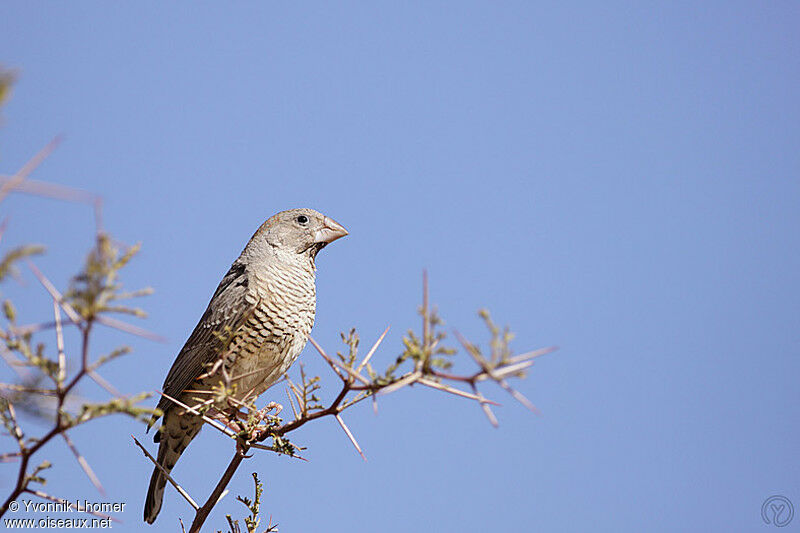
302	219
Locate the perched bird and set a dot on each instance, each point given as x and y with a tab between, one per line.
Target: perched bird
255	326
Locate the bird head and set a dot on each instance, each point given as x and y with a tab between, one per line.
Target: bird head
301	231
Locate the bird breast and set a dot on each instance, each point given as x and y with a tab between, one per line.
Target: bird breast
284	300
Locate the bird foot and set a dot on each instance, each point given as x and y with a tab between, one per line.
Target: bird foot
273	406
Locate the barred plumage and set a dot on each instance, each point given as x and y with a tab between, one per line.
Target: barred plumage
264	309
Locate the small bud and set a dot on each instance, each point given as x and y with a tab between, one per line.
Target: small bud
9	311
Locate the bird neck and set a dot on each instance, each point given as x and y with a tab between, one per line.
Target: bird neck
264	260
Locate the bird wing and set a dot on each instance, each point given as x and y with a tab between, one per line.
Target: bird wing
225	314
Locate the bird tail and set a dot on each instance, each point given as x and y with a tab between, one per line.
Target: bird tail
170	448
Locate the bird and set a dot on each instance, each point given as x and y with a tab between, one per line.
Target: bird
255	326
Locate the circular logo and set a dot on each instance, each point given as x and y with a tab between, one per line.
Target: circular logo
777	510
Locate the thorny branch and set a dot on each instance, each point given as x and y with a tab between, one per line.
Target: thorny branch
46	389
428	363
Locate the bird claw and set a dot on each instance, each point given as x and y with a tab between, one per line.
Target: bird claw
265	411
274	405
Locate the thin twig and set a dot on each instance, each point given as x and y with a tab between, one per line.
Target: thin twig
506	370
533	354
84	464
34	328
213	423
16	364
372	350
452	390
486	409
219	490
325	356
166	474
97	378
352	372
71	313
400	383
50	190
291	403
350	436
29	390
300	404
9	457
17	430
500	381
29	167
62	358
519	397
129	328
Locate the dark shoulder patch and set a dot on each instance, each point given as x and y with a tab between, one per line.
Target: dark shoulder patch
236	276
241	280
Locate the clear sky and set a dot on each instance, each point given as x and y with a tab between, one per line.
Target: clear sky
616	178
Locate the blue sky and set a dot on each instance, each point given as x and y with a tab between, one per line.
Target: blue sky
619	179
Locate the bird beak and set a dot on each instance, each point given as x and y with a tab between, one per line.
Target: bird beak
329	232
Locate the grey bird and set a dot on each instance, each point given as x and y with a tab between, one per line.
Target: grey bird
256	324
